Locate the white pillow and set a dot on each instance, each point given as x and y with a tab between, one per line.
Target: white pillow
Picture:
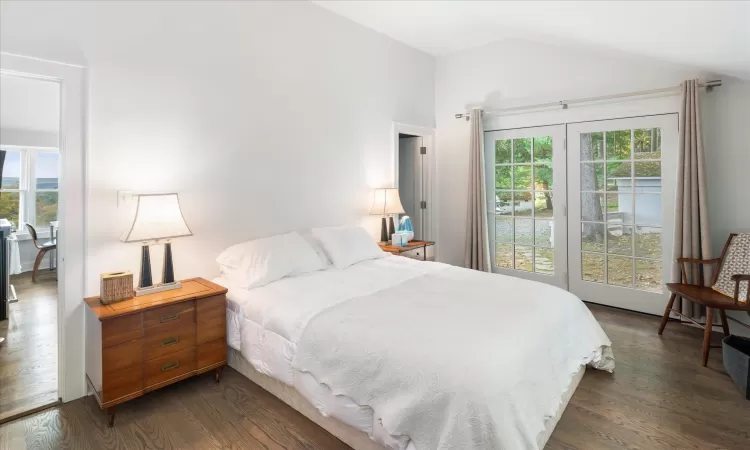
310	239
347	245
259	262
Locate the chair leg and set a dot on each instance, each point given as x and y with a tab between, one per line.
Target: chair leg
667	310
37	261
707	334
724	323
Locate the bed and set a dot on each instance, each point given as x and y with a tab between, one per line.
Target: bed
402	354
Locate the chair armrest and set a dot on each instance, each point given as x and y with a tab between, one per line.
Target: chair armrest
683	261
741	277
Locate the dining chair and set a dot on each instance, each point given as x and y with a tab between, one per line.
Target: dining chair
711	296
43	248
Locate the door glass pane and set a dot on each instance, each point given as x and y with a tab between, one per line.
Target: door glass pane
504	255
543	176
503	229
648	242
524	231
503	152
502	177
522	151
521	177
592	146
618	176
620	240
647	143
592	267
619	208
543	149
543	206
504	203
524	258
543	233
620	271
522	203
592	207
618	145
11	170
648	209
544	261
648	275
592	237
592	176
47	170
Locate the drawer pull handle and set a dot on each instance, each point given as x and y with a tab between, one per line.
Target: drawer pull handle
170	341
169	366
169	318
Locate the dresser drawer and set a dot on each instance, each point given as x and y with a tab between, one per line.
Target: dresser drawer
170	366
118	384
166	342
122	356
180	315
212	353
211	308
122	329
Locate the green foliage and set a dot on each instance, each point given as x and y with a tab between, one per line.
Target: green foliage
9	203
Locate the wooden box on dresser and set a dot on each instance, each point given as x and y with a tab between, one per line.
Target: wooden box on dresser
148	342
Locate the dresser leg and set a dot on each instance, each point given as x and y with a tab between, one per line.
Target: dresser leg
111	416
218	373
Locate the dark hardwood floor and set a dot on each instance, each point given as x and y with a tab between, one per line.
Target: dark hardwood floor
659	398
28	357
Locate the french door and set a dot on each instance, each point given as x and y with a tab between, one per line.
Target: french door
526	181
621	183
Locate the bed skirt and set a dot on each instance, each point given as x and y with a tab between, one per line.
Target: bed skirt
351	436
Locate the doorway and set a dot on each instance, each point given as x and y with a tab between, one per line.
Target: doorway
586	207
30	163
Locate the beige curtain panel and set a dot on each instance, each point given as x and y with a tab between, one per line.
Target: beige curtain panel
477	253
691	236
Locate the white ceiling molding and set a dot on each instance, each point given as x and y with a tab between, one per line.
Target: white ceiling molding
710	35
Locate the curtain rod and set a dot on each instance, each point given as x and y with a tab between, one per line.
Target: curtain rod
563	104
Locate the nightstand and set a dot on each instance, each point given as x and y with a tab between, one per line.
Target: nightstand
145	343
411	246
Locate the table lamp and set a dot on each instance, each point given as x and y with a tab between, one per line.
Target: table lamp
157	217
386	202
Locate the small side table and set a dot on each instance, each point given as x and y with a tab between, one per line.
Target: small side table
412	245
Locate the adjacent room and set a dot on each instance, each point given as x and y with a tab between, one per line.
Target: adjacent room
29	169
401	225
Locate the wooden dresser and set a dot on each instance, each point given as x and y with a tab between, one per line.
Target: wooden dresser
145	343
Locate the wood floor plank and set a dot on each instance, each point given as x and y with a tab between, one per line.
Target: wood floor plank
658	398
28	357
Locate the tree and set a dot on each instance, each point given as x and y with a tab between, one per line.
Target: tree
591	207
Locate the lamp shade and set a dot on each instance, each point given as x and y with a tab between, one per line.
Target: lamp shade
386	201
157	216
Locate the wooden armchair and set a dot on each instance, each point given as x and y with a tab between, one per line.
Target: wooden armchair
706	296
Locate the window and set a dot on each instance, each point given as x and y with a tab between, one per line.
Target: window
29	186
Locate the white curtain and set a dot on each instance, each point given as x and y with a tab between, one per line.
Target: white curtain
15	255
477	252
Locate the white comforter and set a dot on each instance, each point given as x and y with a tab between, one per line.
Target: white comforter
502	347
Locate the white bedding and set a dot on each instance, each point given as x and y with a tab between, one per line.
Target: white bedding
266	324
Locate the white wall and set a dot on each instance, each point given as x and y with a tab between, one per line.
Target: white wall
514	72
264	116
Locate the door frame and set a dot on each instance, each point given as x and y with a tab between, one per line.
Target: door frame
71	212
602	293
428	136
559	201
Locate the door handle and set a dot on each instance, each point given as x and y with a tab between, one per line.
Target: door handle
170	341
169	318
169	366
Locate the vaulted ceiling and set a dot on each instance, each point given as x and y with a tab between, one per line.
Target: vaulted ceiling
710	35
